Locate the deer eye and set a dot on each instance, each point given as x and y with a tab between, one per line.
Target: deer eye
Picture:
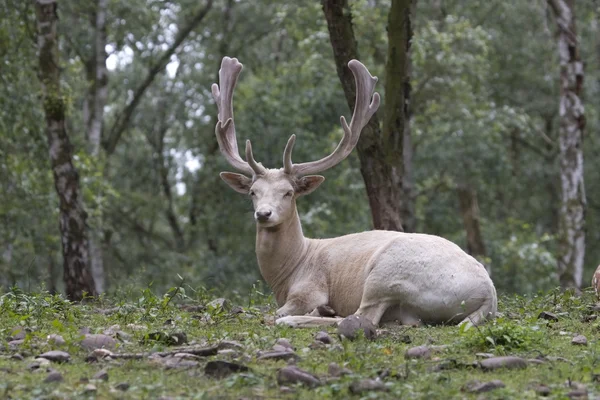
288	194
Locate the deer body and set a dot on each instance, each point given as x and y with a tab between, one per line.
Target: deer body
382	275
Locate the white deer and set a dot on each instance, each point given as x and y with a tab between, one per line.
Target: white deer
381	275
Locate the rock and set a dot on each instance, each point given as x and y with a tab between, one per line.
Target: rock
367	385
89	388
84	330
38	363
510	362
54	376
56	356
98	341
14	344
56	340
17	357
177	362
351	326
101	375
482	387
337	371
286	389
578	394
220	369
324	337
187	356
278	347
230	344
316	345
326	311
579	340
484	355
123	386
236	310
285	343
418	352
17	333
548	316
278	355
292	374
542	390
220	303
170	339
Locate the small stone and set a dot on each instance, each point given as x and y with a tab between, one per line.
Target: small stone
278	347
18	333
418	352
316	345
220	303
484	355
324	337
98	341
89	388
292	374
285	343
326	311
350	327
579	340
542	390
286	389
548	316
482	387
56	340
84	330
220	369
578	394
101	375
17	357
278	355
236	310
14	344
54	376
177	362
367	385
510	362
123	386
56	356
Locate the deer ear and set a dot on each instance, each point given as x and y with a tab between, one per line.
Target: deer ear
307	184
238	182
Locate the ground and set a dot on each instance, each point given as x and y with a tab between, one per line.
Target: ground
555	366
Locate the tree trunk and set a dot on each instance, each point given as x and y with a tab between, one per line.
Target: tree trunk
380	153
94	114
572	123
77	274
469	209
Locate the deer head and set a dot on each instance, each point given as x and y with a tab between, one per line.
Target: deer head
274	191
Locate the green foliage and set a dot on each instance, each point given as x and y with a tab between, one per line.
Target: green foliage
502	336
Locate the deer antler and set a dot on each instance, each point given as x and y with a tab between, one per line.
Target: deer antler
225	128
364	109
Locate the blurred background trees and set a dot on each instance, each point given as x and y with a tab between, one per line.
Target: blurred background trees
481	141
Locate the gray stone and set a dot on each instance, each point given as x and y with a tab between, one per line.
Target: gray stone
292	374
285	343
56	340
324	337
56	356
101	375
579	340
98	341
220	303
418	352
367	385
123	386
510	362
548	316
351	326
54	376
278	355
482	387
18	333
221	369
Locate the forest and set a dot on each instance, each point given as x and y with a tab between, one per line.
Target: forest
110	167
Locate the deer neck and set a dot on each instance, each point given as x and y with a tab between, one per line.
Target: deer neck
279	251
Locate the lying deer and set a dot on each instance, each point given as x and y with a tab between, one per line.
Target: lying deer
381	275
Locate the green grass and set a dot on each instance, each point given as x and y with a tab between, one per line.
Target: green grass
516	332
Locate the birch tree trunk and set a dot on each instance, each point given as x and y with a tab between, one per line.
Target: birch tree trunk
380	151
572	124
77	275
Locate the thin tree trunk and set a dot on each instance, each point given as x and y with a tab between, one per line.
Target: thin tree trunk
572	124
98	96
381	169
77	275
469	209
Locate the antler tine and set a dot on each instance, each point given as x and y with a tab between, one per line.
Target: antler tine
225	128
364	109
256	167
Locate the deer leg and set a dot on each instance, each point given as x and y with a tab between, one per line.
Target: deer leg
302	302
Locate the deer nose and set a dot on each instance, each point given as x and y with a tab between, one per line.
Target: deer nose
263	216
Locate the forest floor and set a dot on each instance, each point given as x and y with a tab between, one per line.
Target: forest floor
145	335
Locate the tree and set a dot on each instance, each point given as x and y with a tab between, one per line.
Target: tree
380	149
572	123
77	275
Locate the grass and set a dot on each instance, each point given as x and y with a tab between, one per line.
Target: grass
517	332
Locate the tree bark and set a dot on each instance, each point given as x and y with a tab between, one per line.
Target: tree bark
469	209
97	97
77	275
572	123
380	152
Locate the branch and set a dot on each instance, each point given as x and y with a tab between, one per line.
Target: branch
123	118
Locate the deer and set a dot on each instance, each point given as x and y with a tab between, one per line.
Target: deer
383	276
